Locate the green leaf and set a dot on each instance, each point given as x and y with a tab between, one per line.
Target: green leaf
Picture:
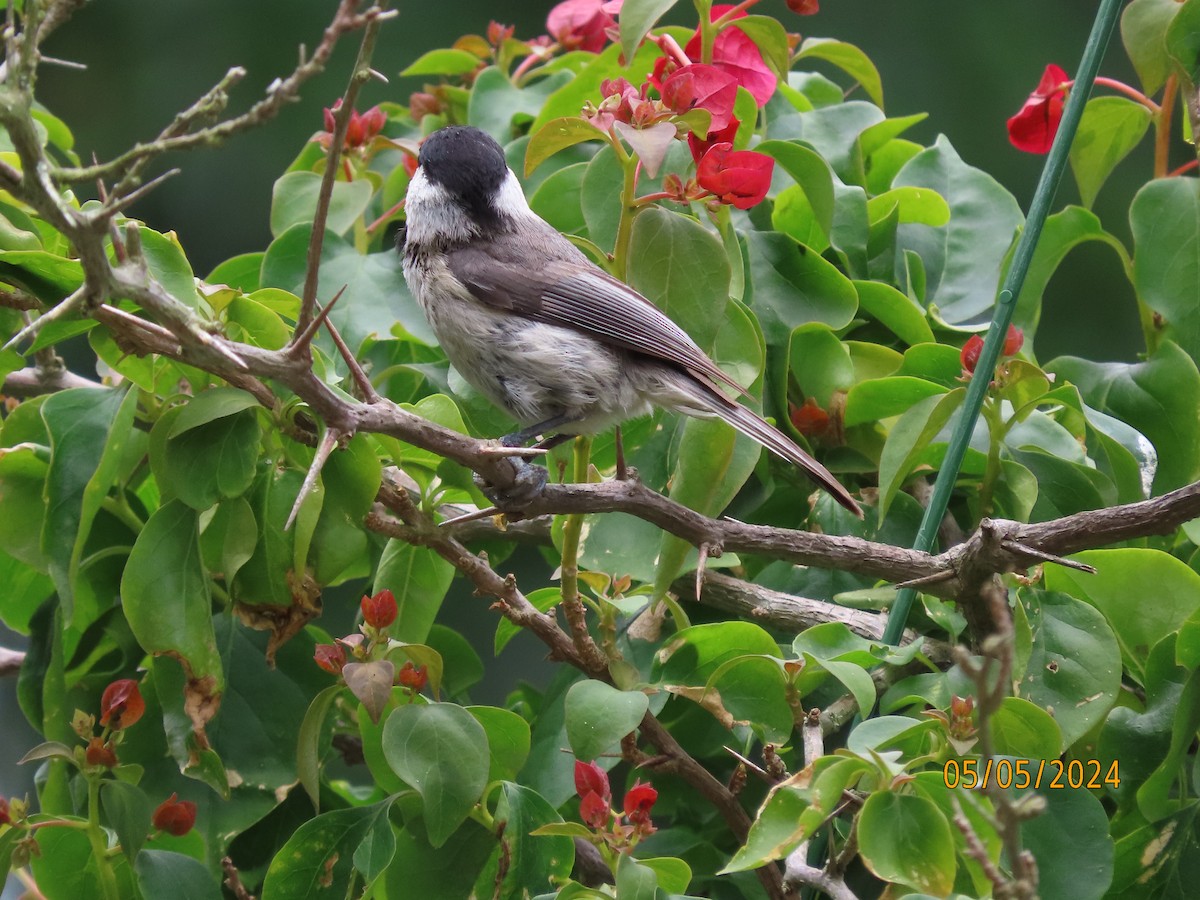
895	311
166	597
794	286
1071	844
1019	728
1162	859
1110	128
47	276
638	17
634	880
88	432
674	875
447	872
599	716
267	576
810	172
602	182
525	865
905	838
442	752
1117	589
1074	669
508	740
308	743
849	59
833	131
882	398
1183	40
909	438
496	104
1156	397
1159	797
820	363
754	690
681	267
558	200
771	39
65	866
963	258
294	201
1144	32
419	578
128	811
1165	218
555	135
446	61
168	264
210	405
318	860
210	462
694	654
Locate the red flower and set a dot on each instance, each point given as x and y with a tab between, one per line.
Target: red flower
360	130
701	86
497	34
1033	128
735	54
639	800
810	419
380	610
330	657
739	177
175	816
412	677
1014	339
121	705
583	24
5	815
591	779
100	753
724	136
804	7
593	809
422	104
970	353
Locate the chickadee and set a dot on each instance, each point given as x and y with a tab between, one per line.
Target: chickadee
540	330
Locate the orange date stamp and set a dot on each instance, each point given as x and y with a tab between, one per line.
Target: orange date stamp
1039	774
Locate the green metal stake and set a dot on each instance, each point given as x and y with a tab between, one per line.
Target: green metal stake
1052	174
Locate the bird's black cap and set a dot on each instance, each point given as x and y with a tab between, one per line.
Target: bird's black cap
468	163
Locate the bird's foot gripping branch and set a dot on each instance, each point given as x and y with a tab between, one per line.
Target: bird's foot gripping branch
256	449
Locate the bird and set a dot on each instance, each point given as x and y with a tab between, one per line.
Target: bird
538	328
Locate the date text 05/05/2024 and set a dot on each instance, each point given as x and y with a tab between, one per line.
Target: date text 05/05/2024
1050	774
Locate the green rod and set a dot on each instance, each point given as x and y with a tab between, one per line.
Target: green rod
1039	209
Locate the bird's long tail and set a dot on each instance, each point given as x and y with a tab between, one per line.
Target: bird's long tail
712	403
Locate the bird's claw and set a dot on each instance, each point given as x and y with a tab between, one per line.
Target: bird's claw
528	482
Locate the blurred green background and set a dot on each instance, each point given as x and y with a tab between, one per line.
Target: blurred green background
968	64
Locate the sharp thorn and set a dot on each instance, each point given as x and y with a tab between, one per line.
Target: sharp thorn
328	441
485	513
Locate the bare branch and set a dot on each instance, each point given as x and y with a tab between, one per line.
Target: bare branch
341	118
32	381
10	661
279	94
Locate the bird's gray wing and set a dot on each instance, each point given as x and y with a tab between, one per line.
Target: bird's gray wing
573	293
